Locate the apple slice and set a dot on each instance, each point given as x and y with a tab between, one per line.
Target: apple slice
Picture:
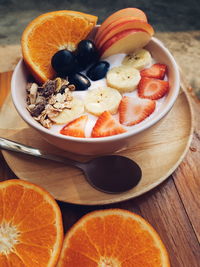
111	25
125	42
122	13
121	25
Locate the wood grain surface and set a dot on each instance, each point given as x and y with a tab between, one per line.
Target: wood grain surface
5	86
172	208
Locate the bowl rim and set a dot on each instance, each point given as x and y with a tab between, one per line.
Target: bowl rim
125	135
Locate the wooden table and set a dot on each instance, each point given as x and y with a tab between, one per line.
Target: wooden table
172	208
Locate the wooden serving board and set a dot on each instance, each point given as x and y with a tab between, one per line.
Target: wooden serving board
159	155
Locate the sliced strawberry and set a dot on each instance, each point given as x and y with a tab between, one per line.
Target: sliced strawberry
76	127
152	88
106	125
133	110
157	71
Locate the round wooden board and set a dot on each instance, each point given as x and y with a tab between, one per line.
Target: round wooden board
159	154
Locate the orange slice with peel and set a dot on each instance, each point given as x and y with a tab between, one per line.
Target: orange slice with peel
114	238
31	230
51	32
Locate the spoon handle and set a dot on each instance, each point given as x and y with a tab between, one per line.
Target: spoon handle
17	147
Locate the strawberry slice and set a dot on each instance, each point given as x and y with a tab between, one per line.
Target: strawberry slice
106	125
133	110
76	127
152	88
156	71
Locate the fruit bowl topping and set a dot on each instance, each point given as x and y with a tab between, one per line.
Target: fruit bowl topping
124	79
156	71
121	89
139	59
86	53
80	81
125	31
134	110
106	125
102	99
98	71
64	63
76	127
152	88
46	102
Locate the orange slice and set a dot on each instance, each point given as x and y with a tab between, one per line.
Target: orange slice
113	238
51	32
31	230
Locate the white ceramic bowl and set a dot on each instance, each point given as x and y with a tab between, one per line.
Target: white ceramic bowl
97	146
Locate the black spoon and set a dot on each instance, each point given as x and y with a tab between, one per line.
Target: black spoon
110	174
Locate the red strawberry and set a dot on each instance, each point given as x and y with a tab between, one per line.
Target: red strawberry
133	110
152	88
76	127
106	125
155	71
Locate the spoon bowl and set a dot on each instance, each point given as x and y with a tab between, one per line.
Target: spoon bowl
112	174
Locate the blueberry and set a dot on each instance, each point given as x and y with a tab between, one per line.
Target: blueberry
86	53
98	70
80	81
64	62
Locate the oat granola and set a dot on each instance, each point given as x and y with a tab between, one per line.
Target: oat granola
47	101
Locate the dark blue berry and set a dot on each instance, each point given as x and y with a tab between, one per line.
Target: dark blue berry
80	81
86	53
64	63
98	70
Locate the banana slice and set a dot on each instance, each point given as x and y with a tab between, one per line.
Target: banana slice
138	60
101	99
122	78
67	115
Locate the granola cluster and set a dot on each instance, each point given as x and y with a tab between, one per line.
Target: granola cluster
47	101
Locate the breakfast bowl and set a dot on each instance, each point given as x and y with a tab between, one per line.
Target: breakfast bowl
108	144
